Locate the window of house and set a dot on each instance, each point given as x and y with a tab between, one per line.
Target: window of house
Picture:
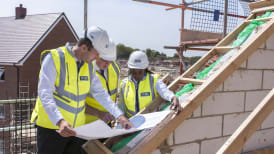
2	74
2	111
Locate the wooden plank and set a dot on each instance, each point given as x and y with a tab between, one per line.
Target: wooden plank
262	19
95	146
224	49
237	140
192	35
190	80
205	42
263	9
260	4
196	99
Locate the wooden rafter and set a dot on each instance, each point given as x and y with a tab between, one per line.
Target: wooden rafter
260	4
236	141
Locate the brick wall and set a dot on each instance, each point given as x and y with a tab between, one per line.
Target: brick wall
8	88
222	113
29	72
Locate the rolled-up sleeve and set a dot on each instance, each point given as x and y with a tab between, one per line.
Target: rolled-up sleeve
163	91
101	95
47	87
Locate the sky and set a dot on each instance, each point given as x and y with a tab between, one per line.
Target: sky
134	24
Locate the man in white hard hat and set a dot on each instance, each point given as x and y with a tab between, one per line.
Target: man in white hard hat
142	86
108	72
66	77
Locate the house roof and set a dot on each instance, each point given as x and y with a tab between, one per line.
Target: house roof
20	37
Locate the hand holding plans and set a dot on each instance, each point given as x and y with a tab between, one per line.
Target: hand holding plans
100	129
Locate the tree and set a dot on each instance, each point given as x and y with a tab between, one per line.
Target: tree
124	51
149	53
155	55
175	55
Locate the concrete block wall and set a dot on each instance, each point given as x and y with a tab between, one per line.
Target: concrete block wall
221	113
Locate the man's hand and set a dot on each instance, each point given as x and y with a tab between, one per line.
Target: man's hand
124	122
106	117
176	105
65	128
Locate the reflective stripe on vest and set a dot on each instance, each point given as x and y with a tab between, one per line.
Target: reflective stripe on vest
117	71
61	88
68	108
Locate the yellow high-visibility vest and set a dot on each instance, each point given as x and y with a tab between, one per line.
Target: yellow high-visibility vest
111	85
71	86
146	93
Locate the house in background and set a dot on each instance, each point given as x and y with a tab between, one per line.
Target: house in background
22	39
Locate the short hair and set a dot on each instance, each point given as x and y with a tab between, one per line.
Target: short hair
85	41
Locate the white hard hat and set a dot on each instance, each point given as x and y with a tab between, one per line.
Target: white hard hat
138	60
101	42
111	52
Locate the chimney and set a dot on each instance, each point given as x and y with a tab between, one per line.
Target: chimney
20	12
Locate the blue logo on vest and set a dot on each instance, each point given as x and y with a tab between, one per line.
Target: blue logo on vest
83	78
145	94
